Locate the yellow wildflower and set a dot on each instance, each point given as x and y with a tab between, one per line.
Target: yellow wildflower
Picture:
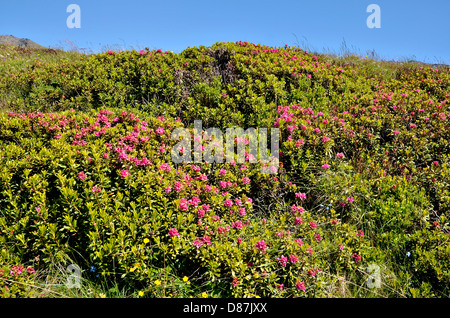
204	295
157	282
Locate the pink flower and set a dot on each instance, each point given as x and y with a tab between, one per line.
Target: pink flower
261	245
340	155
396	132
173	232
299	242
300	195
82	175
198	243
283	260
183	204
312	225
326	139
228	202
293	258
165	166
206	240
350	199
246	180
312	273
124	173
239	240
317	237
295	209
223	184
325	166
300	285
356	257
168	189
178	186
200	213
299	142
238	202
96	189
160	131
238	225
298	220
222	172
242	211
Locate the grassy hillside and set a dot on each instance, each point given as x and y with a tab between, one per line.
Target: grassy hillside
86	175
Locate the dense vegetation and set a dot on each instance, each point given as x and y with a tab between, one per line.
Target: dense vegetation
86	175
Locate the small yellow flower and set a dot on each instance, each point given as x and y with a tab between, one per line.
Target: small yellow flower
204	295
146	240
185	279
141	293
132	269
102	295
157	282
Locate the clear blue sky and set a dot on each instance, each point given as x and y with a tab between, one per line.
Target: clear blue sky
410	29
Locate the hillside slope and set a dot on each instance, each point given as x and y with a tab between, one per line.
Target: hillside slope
359	206
12	40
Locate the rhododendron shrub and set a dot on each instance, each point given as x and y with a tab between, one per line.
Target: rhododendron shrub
116	210
87	176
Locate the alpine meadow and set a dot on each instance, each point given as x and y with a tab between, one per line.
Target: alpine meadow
92	203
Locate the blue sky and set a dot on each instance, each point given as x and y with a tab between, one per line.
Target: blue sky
409	29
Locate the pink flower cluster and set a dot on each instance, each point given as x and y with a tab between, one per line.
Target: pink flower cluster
200	242
17	270
173	232
261	245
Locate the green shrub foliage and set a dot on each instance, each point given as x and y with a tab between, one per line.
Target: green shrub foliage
86	175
